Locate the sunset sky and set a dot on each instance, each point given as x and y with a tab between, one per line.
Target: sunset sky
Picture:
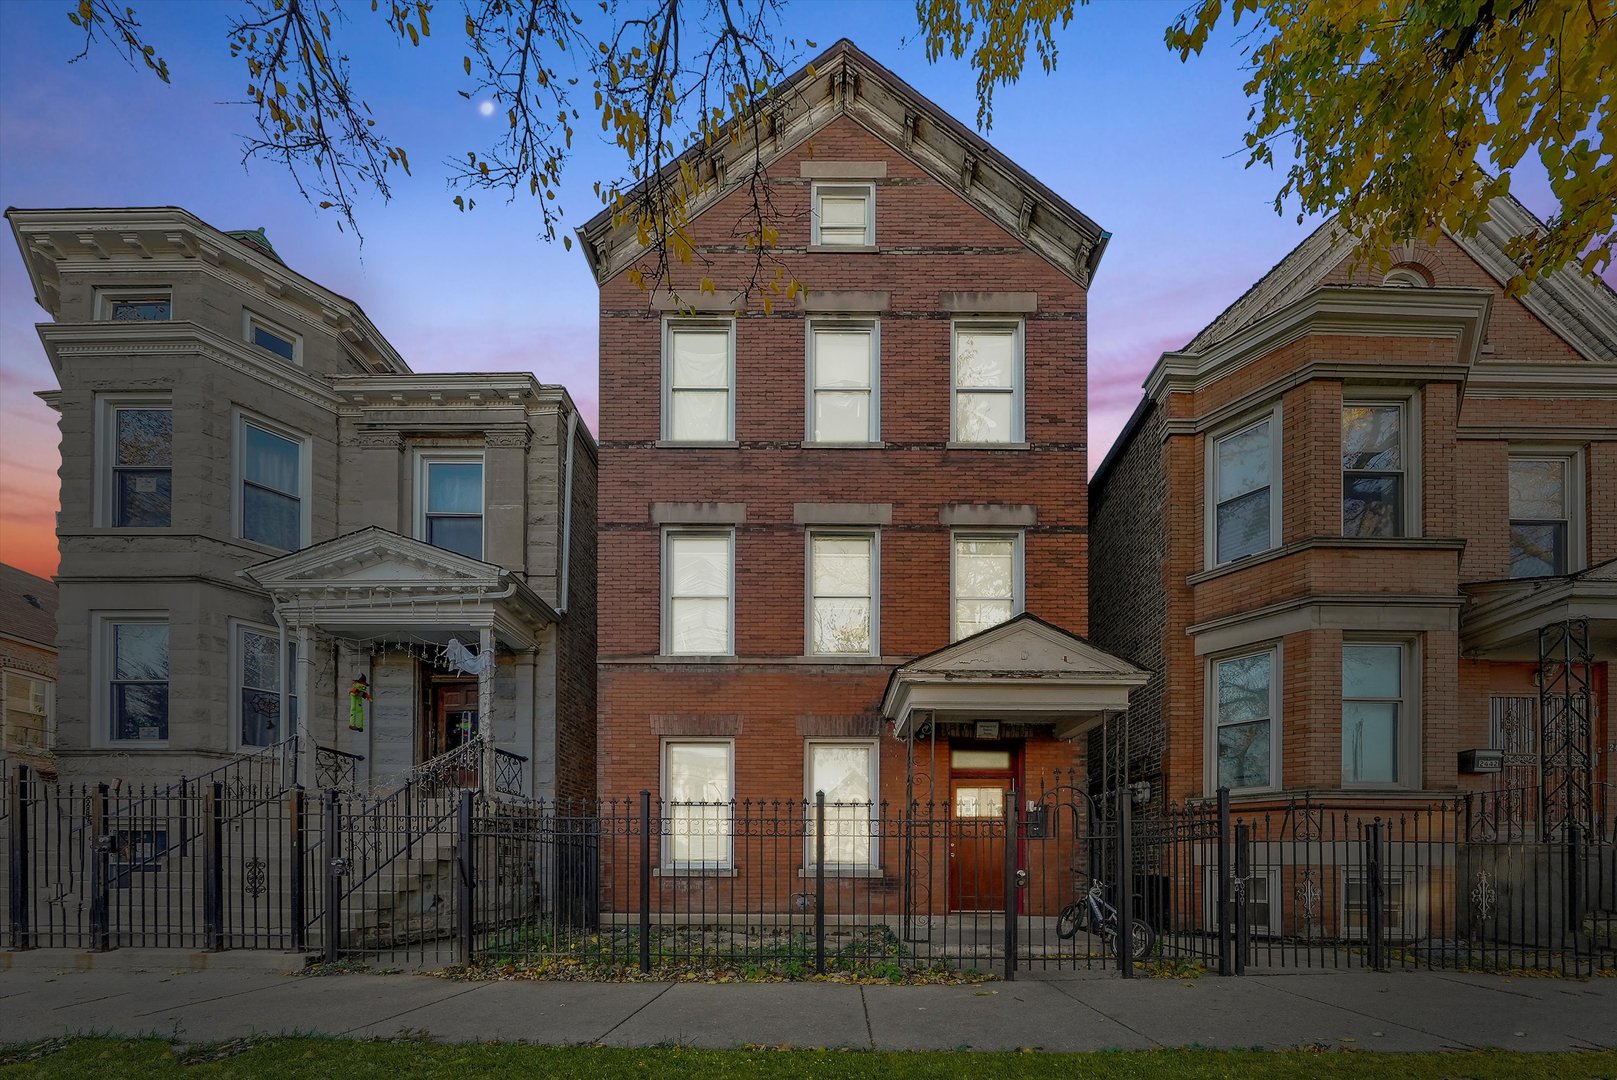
1146	146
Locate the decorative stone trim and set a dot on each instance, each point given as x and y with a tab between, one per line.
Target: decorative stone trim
695	724
842	170
856	726
995	514
698	513
694	299
850	301
804	513
989	303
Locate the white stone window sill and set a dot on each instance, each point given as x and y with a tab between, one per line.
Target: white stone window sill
807	872
673	444
844	249
693	872
810	444
951	445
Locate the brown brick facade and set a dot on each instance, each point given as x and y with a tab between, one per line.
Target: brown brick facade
770	697
1312	591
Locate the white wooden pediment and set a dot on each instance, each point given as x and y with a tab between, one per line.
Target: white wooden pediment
1606	571
1025	647
373	557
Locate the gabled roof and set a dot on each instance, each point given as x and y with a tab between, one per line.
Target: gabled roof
374	557
354	575
1024	645
1581	310
843	81
27	607
1024	668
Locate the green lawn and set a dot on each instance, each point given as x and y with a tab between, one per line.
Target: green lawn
128	1059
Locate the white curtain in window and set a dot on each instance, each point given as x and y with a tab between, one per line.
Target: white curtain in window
699	797
699	594
846	773
842	583
699	385
984	583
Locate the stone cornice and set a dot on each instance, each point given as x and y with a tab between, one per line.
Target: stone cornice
844	81
1459	315
1268	391
1556	381
156	240
153	339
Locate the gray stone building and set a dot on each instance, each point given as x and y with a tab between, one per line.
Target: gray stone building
262	506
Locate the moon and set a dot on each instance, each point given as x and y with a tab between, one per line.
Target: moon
486	108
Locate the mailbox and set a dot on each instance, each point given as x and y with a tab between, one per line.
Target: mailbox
1482	761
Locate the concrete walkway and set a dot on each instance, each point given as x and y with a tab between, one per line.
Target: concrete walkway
197	997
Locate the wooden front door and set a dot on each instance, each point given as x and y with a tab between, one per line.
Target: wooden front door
453	719
977	843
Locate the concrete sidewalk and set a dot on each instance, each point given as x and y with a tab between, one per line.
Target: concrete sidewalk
197	997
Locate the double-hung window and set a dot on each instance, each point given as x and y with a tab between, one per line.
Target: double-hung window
263	679
1374	461
1540	515
273	470
842	596
1244	702
698	576
1375	717
1244	507
846	773
137	679
699	374
987	587
842	382
698	789
29	723
987	377
844	215
142	465
451	500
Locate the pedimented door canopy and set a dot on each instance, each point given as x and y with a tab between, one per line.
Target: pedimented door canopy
369	582
1024	670
1501	619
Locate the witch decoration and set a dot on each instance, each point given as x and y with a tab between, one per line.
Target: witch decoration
358	694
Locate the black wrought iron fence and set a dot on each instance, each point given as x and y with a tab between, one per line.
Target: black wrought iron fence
440	872
1463	883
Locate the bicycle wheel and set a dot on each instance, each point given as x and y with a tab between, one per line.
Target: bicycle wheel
1145	940
1071	920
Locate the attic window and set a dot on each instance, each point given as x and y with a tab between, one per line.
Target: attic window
844	215
273	338
131	305
33	601
1404	277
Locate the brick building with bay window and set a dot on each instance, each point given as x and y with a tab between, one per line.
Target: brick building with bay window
1363	528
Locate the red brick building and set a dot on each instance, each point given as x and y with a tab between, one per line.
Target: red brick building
844	545
1364	524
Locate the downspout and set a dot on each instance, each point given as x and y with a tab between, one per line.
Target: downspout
566	516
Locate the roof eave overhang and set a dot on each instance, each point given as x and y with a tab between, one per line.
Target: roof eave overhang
146	238
844	81
1040	698
1505	614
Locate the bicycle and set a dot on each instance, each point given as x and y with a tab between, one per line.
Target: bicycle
1092	914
